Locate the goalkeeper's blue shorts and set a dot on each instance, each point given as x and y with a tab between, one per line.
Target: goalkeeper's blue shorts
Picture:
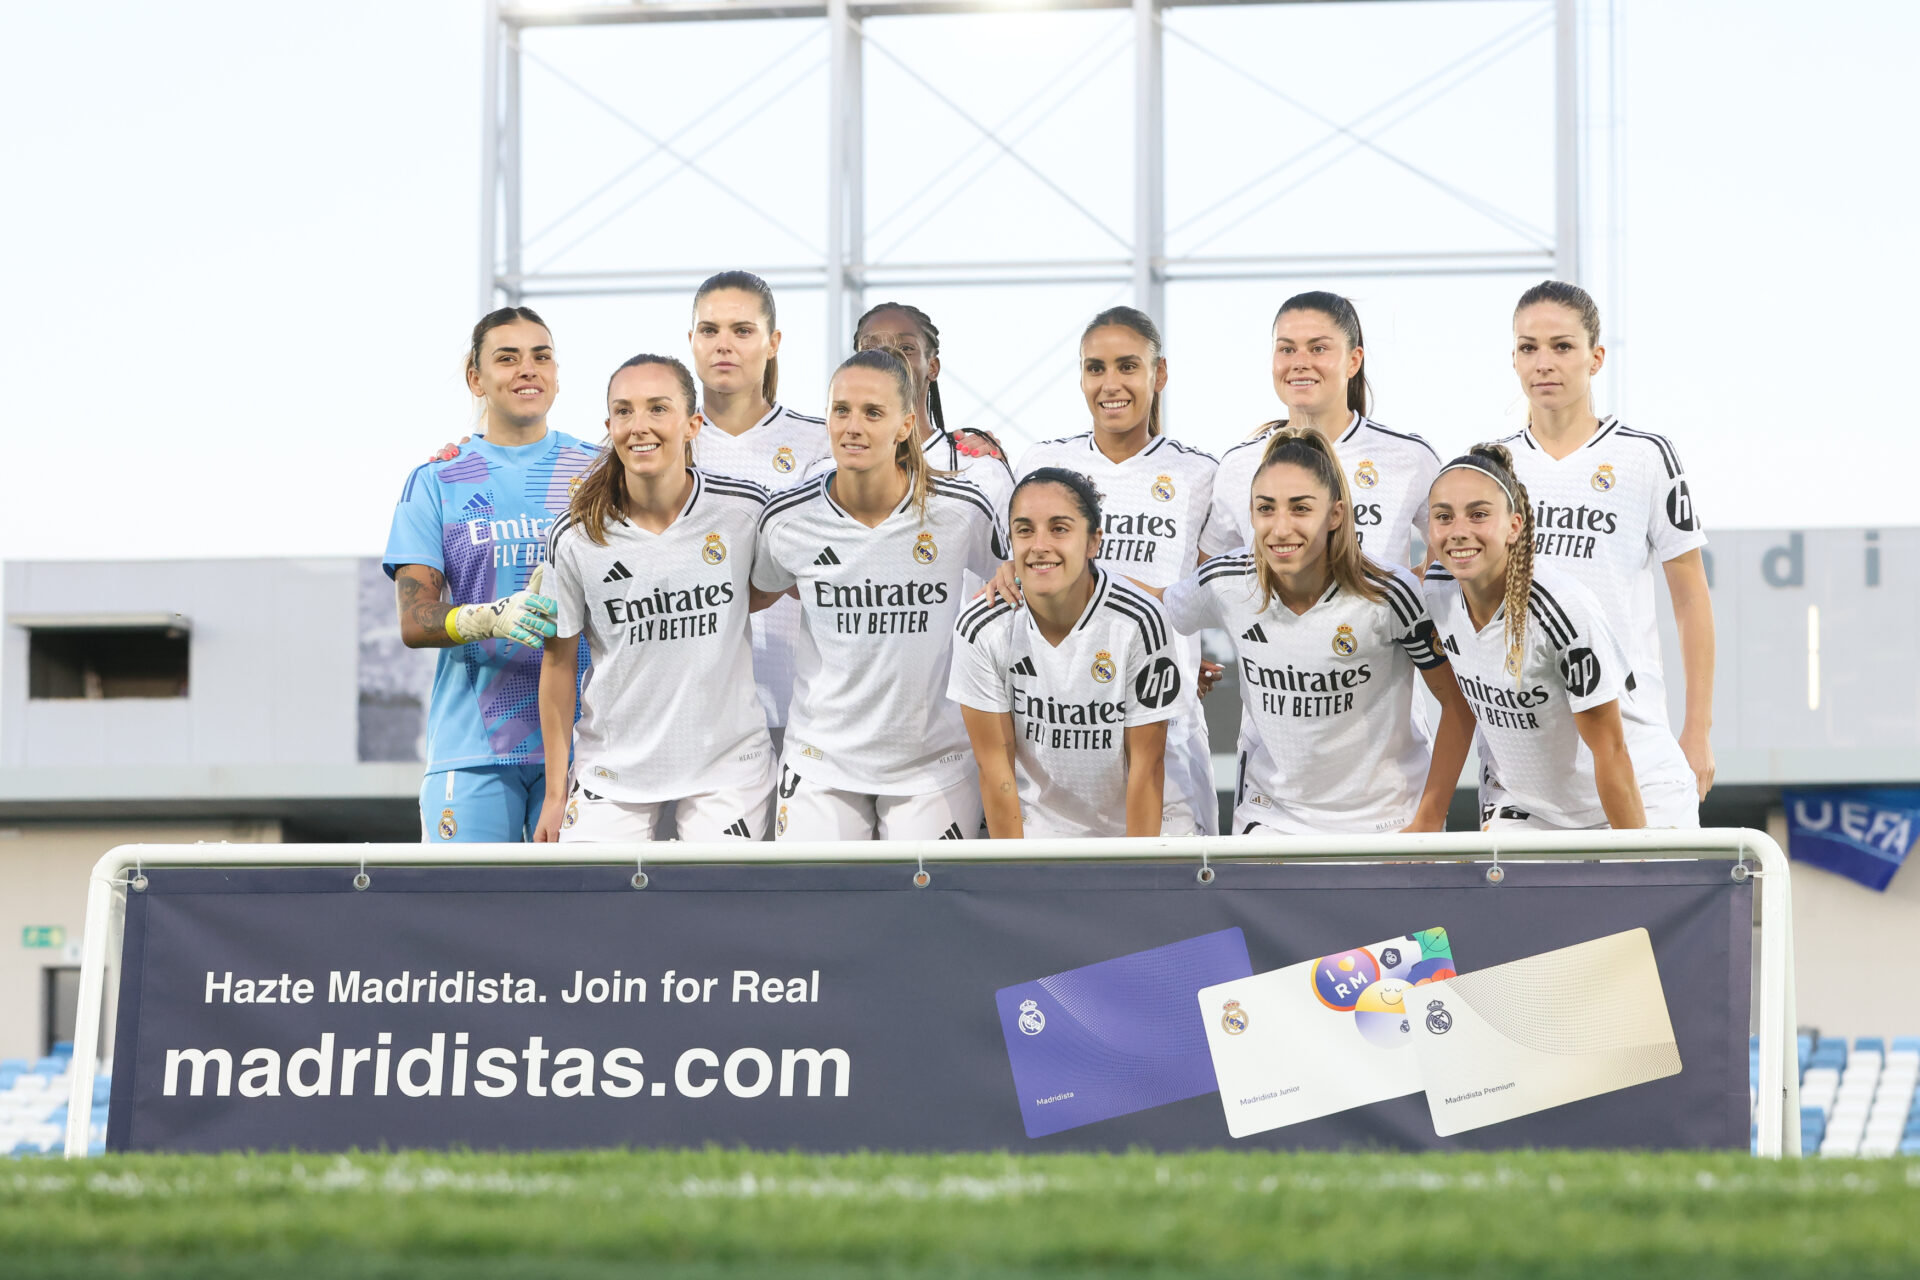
498	804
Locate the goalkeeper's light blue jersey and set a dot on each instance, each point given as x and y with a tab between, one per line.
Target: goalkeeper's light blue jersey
482	520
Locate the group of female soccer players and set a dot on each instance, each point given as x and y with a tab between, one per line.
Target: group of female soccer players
870	626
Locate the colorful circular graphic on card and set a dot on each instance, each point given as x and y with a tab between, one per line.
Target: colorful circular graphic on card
1381	1013
1339	979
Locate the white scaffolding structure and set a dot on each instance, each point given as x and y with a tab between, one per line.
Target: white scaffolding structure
1585	158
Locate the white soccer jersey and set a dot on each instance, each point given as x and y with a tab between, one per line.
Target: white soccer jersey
1327	694
1071	704
870	713
1153	508
1529	747
668	708
1388	475
776	452
1607	513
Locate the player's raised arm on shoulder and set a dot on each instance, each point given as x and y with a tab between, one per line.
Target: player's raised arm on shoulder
1693	617
1601	729
559	688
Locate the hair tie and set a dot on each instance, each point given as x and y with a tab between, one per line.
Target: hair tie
1474	466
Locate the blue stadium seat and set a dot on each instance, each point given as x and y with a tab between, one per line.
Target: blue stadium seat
1899	1042
1910	1147
15	1065
1875	1043
50	1066
63	1048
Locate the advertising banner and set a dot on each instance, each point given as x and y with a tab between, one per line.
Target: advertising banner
1040	1007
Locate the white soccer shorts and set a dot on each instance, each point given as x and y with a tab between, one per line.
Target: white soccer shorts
806	812
1674	807
736	813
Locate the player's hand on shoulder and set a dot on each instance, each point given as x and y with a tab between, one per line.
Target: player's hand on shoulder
1003	586
448	452
1210	673
978	444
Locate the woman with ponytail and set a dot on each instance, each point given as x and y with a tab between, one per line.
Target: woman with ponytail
650	566
748	433
1320	375
973	455
877	549
1611	503
1569	739
1154	495
1328	643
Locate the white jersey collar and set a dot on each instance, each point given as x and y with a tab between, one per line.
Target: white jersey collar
826	491
1153	443
1601	432
1100	584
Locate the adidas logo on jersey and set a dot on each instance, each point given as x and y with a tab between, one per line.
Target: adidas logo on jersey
619	573
827	557
1452	647
1024	667
952	832
739	828
478	502
1255	634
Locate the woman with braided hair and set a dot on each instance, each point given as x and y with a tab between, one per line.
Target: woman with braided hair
1569	739
973	455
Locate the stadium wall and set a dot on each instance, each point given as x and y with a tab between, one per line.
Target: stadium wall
43	899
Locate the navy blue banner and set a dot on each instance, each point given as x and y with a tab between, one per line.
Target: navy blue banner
1861	834
834	1008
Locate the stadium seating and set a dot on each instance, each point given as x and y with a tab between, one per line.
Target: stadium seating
33	1105
1855	1100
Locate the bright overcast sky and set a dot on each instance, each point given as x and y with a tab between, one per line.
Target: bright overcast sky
242	237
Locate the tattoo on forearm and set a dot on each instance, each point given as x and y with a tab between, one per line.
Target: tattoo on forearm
420	602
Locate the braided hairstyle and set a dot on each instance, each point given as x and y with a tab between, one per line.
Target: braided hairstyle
1496	460
1306	448
907	454
930	339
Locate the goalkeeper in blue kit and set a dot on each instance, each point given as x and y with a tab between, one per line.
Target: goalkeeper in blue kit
466	555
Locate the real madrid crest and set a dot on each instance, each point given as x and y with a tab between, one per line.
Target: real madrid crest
1603	477
1439	1021
715	550
1103	667
1344	642
1365	475
1032	1021
783	459
924	549
1163	488
1234	1020
573	485
573	813
780	823
447	825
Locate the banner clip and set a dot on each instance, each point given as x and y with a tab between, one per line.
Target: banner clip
1205	874
139	881
1496	873
362	880
639	880
920	878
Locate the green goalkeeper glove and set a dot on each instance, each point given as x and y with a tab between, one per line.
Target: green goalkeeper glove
525	617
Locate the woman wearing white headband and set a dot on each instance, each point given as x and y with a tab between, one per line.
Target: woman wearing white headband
1568	738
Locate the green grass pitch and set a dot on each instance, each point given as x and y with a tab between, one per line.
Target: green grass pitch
705	1215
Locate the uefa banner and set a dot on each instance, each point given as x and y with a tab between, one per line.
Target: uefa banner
1046	1007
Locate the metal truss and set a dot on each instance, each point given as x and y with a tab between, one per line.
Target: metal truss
848	265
